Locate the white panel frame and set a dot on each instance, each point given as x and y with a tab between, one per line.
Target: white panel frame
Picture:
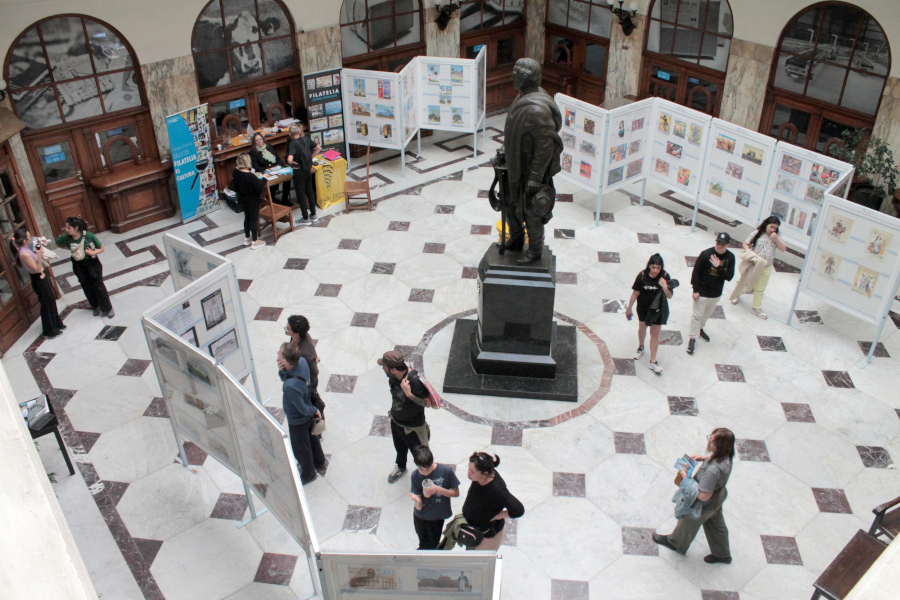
629	113
581	111
373	122
693	154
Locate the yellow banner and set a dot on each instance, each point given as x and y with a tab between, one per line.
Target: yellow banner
330	182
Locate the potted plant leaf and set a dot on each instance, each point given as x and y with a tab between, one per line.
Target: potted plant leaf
874	161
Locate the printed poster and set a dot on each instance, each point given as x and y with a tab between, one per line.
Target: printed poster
325	106
195	174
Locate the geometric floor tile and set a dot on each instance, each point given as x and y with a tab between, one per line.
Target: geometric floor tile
569	484
608	257
329	290
808	316
730	373
230	506
341	384
638	540
361	519
797	412
88	439
503	434
268	313
753	450
381	426
295	264
683	406
111	333
629	443
875	457
398	226
134	367
561	589
148	549
781	550
880	350
157	408
831	500
444	209
838	379
433	248
771	344
349	244
613	306
244	284
195	455
276	569
648	238
383	268
364	320
716	595
566	278
717	313
624	366
470	273
421	295
670	338
115	490
564	234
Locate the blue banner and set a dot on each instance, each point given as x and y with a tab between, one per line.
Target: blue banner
192	159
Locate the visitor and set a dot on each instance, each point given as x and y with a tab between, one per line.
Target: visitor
249	189
85	248
489	503
712	269
757	261
263	157
297	329
300	152
651	291
300	412
432	486
409	396
32	259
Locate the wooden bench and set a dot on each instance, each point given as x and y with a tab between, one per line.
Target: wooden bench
847	569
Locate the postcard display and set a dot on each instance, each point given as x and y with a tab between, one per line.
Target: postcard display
326	113
853	262
799	182
738	168
677	150
373	111
582	133
423	574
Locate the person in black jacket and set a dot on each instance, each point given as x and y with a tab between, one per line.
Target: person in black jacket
648	282
409	396
249	189
300	412
713	268
262	157
300	152
489	503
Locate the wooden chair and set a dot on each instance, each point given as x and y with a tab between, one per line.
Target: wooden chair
359	190
271	213
847	569
886	521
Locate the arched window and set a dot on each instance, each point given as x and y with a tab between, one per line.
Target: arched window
500	26
245	58
827	75
381	35
65	69
577	43
686	52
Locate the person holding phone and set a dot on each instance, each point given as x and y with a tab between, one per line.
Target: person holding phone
757	261
32	259
85	248
648	282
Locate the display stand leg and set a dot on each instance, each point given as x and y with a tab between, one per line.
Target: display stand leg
790	315
349	163
403	161
181	452
597	213
253	513
475	144
62	448
694	217
644	191
871	353
419	143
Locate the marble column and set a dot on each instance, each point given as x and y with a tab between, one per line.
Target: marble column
171	86
27	181
320	49
744	94
887	125
535	15
441	43
623	71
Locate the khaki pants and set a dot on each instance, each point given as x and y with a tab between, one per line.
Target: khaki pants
751	269
713	522
703	308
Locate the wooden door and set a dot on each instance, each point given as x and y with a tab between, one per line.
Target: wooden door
689	86
806	124
57	161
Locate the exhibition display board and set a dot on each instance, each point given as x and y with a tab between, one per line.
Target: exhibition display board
583	130
372	108
423	574
678	149
448	93
798	183
739	164
410	99
189	262
325	107
628	141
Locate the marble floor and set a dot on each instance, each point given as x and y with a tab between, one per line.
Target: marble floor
818	434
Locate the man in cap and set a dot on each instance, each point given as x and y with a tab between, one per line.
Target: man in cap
713	268
409	396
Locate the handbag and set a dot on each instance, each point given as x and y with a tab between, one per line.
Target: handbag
434	401
318	427
470	536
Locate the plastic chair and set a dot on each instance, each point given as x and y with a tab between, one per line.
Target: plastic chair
358	190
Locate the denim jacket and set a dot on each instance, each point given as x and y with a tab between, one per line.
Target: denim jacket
686	499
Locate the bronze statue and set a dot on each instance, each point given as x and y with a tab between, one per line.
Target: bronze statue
532	147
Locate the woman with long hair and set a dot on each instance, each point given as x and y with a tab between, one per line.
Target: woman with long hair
757	261
85	248
489	503
263	156
249	189
32	259
712	478
646	285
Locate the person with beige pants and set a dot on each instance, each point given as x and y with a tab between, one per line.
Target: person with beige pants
713	268
757	262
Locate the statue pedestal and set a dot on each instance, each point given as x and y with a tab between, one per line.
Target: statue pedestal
515	348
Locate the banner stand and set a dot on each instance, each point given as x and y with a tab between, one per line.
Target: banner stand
703	173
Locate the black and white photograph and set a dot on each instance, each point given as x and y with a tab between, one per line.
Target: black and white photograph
213	309
190	336
199	372
224	345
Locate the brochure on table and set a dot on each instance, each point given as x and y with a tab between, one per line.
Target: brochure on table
410	98
189	262
584	126
448	93
372	108
379	575
738	167
853	261
189	382
326	112
628	141
798	184
678	150
267	461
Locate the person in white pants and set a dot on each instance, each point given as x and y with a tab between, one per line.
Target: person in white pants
713	268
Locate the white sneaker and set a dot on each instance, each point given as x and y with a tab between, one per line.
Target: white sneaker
313	219
654	366
759	313
302	221
257	245
639	353
735	300
247	241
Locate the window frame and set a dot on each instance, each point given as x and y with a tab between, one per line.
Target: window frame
382	56
703	33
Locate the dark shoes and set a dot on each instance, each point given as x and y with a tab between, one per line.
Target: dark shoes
396	474
321	470
52	335
703	336
528	257
96	311
663	540
691	343
715	559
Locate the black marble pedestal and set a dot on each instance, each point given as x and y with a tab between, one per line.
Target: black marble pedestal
461	377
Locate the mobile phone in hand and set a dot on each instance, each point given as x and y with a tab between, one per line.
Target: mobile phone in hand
629	317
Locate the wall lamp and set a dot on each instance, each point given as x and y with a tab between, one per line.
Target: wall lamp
625	16
444	12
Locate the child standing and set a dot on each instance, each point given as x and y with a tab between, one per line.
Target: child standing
432	485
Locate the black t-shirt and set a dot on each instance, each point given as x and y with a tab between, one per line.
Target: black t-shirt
483	502
247	186
301	149
404	411
647	286
707	280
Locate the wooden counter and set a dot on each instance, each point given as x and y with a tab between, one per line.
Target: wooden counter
224	159
135	195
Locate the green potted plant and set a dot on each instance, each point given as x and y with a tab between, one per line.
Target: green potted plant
874	161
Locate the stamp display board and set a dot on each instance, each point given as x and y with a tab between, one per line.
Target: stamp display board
582	134
678	146
628	140
372	108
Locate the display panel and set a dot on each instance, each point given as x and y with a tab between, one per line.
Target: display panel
447	94
372	108
678	150
582	134
853	261
798	184
190	385
189	262
268	465
481	88
324	105
410	97
422	574
739	162
628	140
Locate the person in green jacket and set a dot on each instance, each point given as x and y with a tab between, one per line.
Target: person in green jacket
85	248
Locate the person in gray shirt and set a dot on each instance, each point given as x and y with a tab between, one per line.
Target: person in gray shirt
712	477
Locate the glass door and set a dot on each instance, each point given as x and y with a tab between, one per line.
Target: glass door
807	125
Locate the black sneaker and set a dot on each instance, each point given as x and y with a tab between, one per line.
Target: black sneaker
691	343
715	559
396	474
97	312
52	335
703	336
321	470
663	540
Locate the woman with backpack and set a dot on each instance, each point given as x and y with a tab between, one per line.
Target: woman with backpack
652	289
489	503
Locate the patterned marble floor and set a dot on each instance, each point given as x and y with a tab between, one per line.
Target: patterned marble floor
818	435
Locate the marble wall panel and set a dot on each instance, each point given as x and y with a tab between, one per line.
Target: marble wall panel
441	43
320	49
171	86
744	95
623	71
29	186
887	124
535	15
